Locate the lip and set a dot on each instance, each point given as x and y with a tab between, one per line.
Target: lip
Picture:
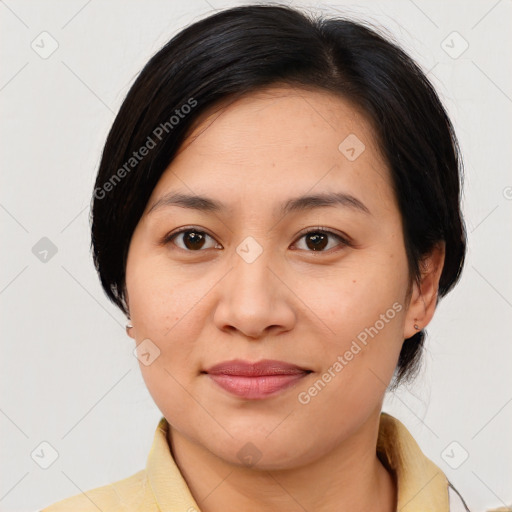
257	380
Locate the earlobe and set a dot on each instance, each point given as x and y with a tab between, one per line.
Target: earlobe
129	328
424	294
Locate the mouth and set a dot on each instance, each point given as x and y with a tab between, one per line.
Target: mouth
258	380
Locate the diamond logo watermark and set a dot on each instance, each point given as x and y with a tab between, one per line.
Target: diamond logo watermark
352	147
249	249
454	45
146	352
44	250
44	45
44	455
249	454
454	455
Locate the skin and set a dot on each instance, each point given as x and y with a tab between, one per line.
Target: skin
201	306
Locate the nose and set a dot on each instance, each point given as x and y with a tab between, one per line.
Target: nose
255	300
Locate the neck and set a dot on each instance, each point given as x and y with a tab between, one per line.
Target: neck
350	477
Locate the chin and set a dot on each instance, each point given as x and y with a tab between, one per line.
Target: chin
259	451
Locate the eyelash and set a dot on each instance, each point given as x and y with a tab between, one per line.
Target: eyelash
345	241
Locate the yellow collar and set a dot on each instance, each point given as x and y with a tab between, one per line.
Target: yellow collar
422	485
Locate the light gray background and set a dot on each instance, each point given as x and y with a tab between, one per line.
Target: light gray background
67	371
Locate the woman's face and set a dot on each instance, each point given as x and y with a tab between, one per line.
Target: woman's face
246	283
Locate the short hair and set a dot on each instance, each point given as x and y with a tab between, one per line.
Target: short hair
244	49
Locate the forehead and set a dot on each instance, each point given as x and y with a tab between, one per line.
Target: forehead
278	140
287	112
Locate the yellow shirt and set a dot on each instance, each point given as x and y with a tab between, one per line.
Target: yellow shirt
422	486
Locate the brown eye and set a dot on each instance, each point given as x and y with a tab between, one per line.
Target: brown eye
190	240
193	240
316	240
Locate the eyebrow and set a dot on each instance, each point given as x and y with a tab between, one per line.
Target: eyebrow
301	203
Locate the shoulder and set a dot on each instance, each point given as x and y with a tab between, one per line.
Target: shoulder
413	468
129	494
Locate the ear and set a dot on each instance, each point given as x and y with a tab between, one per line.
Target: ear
424	293
130	330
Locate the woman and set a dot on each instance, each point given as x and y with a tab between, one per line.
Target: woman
277	213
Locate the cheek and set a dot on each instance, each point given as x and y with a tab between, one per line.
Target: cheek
357	297
164	309
159	297
168	307
364	313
